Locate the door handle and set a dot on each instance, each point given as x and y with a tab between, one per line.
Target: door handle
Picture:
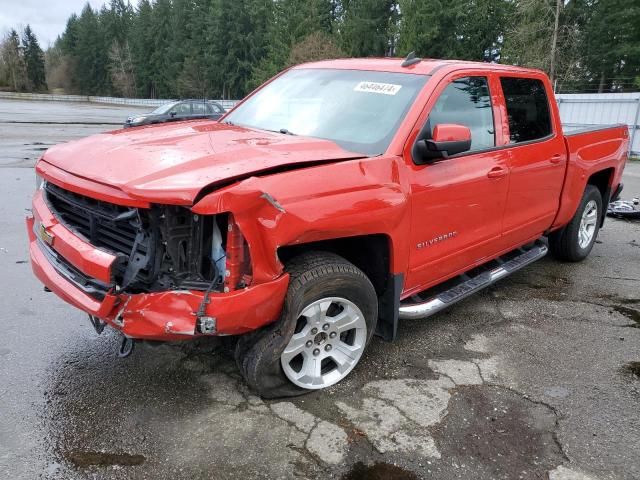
497	172
557	158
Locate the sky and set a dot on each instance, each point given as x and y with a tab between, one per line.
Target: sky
46	17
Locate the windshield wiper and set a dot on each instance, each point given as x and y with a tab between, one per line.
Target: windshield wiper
286	132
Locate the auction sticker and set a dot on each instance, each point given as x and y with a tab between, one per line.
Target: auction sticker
375	87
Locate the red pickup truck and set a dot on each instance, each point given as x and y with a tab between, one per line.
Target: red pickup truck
336	199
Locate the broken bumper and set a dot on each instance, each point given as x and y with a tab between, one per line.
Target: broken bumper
80	274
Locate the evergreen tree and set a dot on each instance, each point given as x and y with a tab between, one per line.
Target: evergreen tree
426	28
13	59
462	29
162	50
91	54
238	43
479	28
34	61
116	21
290	22
610	45
368	26
196	79
142	35
224	48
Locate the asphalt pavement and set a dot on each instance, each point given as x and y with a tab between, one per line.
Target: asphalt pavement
29	127
537	377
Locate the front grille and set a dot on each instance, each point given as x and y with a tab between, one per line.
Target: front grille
123	231
160	248
102	224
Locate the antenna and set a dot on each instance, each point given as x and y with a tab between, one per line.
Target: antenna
411	60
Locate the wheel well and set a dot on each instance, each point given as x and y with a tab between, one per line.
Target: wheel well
602	180
370	253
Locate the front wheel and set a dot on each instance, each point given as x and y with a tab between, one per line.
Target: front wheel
574	242
328	318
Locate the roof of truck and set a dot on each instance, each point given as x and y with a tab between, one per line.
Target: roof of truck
427	66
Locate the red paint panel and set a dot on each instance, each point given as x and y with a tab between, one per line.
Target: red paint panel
591	152
171	315
82	255
357	197
86	187
59	285
167	315
170	163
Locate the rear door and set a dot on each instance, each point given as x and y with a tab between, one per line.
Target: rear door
537	157
181	111
199	109
458	202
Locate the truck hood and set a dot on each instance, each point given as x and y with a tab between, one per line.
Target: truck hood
173	163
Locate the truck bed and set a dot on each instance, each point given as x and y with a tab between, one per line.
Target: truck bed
603	150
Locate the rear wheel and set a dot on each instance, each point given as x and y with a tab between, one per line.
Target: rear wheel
575	241
328	318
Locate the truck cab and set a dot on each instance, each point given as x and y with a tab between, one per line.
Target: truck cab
335	200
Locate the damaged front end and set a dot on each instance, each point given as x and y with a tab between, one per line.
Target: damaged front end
157	249
176	274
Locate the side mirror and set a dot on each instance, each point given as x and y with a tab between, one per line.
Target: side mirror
173	113
447	139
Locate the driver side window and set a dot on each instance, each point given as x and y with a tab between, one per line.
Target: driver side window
466	101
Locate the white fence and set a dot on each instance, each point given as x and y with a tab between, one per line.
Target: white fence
589	109
227	104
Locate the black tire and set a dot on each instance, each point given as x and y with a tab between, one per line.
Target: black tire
564	244
313	275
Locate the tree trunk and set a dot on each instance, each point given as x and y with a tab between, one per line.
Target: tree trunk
554	42
15	79
601	86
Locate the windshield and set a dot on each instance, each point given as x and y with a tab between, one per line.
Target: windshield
358	110
164	108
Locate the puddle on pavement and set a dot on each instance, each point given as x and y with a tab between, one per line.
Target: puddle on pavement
632	368
630	313
379	471
103	459
149	388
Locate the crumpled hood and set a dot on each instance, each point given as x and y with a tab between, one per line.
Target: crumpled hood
172	163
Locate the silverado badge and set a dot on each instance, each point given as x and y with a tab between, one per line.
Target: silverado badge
438	239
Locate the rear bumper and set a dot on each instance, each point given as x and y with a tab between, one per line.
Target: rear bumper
80	274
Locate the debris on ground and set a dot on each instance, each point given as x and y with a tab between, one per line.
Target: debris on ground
625	209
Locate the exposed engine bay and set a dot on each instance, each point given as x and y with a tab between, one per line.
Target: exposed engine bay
162	248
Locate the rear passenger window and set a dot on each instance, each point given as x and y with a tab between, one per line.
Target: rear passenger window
213	108
466	101
199	108
527	109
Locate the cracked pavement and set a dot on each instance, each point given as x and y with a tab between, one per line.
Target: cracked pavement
527	379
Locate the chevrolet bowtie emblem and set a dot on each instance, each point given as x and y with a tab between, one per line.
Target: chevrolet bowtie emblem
45	236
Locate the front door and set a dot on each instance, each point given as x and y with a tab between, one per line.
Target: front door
458	203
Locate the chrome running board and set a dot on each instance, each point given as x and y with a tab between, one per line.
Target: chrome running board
425	304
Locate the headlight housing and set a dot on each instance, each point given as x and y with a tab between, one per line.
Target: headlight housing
40	182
